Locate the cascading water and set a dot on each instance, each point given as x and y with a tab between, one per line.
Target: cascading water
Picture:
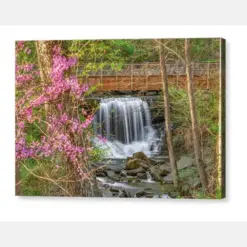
126	125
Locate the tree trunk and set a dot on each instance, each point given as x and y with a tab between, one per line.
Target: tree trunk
220	144
195	130
17	180
44	54
167	116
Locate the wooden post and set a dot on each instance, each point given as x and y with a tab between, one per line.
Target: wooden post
146	73
101	78
117	83
131	76
177	72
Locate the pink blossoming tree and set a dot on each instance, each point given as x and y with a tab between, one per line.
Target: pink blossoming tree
64	131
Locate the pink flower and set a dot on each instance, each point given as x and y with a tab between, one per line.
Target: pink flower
27	50
39	101
20	45
29	112
61	125
27	67
21	125
56	49
102	138
83	112
60	107
20	79
64	118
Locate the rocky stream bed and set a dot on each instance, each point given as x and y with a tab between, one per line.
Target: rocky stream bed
142	177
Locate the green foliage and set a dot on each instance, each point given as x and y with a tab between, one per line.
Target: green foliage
207	114
24	58
30	185
91	90
219	194
98	54
97	154
125	46
205	50
41	178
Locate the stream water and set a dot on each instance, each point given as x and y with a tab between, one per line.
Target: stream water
133	185
127	126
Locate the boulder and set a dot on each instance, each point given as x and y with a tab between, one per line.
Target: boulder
136	163
142	156
164	170
106	186
141	193
155	173
134	172
114	168
149	192
107	193
123	174
132	164
142	175
100	173
158	171
144	165
122	194
184	162
154	162
168	179
161	161
112	175
114	190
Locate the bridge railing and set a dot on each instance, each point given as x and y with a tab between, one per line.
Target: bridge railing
206	69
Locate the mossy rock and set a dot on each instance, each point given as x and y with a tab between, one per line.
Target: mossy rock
132	164
134	172
135	163
142	156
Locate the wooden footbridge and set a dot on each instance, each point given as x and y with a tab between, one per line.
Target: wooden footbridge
147	77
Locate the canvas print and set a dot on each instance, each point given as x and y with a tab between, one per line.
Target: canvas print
127	118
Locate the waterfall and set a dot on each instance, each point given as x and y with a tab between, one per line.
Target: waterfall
126	124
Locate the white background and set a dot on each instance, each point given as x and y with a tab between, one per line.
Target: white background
86	209
112	12
127	234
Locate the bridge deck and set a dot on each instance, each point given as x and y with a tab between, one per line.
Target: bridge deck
146	77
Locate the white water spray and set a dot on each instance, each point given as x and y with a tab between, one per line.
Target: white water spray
126	124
